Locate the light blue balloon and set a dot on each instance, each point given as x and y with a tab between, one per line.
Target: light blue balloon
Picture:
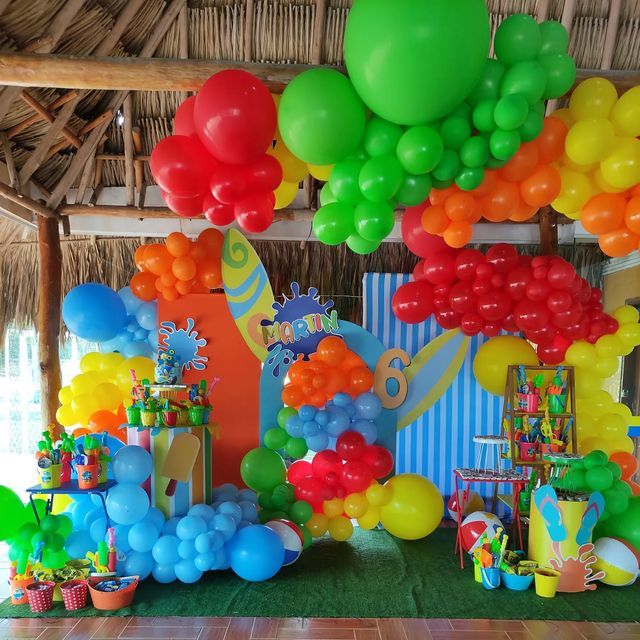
137	348
190	527
295	427
310	428
225	524
318	442
132	324
131	301
142	536
121	533
244	523
222	560
89	517
147	315
132	464
231	509
249	511
217	540
127	503
368	406
338	422
203	542
153	339
155	517
165	550
98	529
227	491
163	573
256	553
307	412
78	543
367	429
187	572
141	334
351	411
342	399
204	561
170	526
322	418
248	494
203	511
138	564
187	549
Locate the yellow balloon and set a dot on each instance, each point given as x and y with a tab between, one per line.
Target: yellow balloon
565	116
317	524
621	168
293	169
622	410
593	444
66	416
605	367
333	508
600	184
589	141
285	194
355	505
415	509
85	382
143	367
609	345
320	171
613	426
377	494
340	528
65	395
109	364
575	191
626	314
629	334
581	354
586	382
625	114
370	519
91	361
108	396
495	355
593	98
84	405
623	444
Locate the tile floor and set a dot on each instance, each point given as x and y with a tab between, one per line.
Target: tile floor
308	629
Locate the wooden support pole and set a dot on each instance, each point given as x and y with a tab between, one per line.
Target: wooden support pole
27	122
183	34
11	165
248	30
115	157
318	31
137	164
611	34
128	150
548	232
97	180
47	117
49	316
24	201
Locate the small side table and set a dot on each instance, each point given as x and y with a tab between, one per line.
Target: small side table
465	477
71	488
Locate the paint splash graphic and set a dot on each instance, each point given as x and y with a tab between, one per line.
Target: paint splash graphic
184	342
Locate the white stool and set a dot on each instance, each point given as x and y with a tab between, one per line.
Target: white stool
489	447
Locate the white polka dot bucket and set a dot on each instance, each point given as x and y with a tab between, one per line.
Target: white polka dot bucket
74	594
40	596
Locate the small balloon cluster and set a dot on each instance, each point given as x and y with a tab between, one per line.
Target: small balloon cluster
217	161
543	297
332	369
178	267
514	192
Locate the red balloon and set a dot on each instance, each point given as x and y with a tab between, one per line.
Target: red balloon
379	460
491	329
263	175
235	117
481	286
564	319
356	476
216	212
448	318
228	184
181	166
187	207
577	331
484	270
418	241
462	298
467	262
509	323
538	290
254	214
540	273
561	274
441	289
324	464
439	268
502	257
494	306
440	302
497	281
413	302
298	470
559	300
516	282
417	271
530	316
350	445
313	491
543	337
555	352
471	324
183	124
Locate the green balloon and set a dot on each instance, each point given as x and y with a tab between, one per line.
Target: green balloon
488	87
300	511
380	178
344	181
414	189
474	152
49	523
320	116
284	414
419	149
41	509
626	526
615	469
462	111
40	537
264	500
326	195
442	184
279	515
55	559
483	115
359	245
448	167
555	38
470	178
622	487
333	223
561	74
308	538
381	137
595	458
494	163
264	516
400	56
504	144
511	112
13	513
528	79
532	126
66	525
517	39
361	155
26	531
56	542
599	478
373	220
275	438
262	469
454	132
575	480
615	501
296	448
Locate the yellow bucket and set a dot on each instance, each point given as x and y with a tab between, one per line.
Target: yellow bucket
546	582
148	418
477	573
50	476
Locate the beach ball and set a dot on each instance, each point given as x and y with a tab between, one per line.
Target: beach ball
475	524
617	560
474	502
291	537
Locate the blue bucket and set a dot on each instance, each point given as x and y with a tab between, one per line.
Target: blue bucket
515	582
490	578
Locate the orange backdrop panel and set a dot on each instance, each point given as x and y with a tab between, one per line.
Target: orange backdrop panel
235	399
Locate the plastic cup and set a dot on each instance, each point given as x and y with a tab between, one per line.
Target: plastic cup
50	476
88	475
133	415
557	402
148	418
546	582
170	418
104	470
196	414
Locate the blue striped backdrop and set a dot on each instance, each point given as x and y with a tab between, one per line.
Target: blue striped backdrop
440	440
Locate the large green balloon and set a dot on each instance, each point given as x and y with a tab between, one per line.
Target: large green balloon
333	224
414	61
320	116
262	469
625	526
13	513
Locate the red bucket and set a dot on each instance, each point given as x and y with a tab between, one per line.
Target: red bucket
41	596
74	594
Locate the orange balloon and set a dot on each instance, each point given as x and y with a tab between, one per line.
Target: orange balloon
198	287
296	370
458	233
337	380
632	214
210	274
292	395
497	205
627	462
183	287
439	196
103	421
635	487
178	244
332	350
618	243
198	251
461	207
80	431
603	213
541	187
487	185
317	399
170	294
522	212
143	285
211	239
434	219
159	284
184	268
168	279
157	259
550	142
351	361
360	380
138	256
522	164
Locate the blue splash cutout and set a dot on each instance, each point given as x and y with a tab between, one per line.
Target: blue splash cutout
185	343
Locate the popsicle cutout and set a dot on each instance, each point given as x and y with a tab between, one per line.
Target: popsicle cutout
178	465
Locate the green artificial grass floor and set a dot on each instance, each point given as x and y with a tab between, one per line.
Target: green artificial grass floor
372	575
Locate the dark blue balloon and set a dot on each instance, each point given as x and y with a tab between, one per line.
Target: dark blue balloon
94	312
256	553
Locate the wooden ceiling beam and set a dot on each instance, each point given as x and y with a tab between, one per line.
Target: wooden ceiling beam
27	203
